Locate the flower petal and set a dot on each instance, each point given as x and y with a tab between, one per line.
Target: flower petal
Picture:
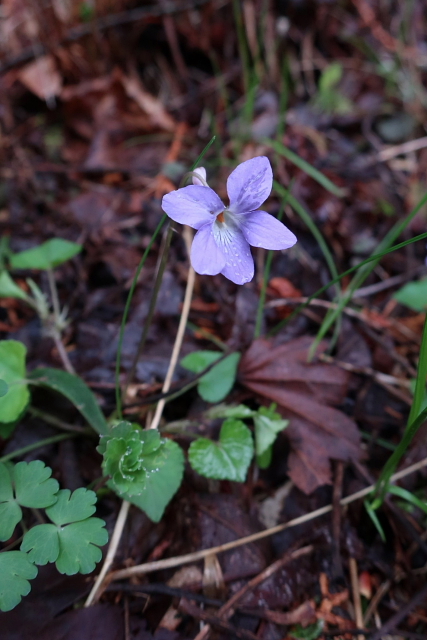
192	205
263	230
239	264
201	171
206	257
250	184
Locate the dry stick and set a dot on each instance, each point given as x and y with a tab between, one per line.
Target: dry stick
115	539
180	334
99	587
336	519
187	558
354	577
400	149
392	623
227	609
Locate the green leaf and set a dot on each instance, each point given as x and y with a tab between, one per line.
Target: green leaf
331	76
33	485
48	255
215	385
76	390
131	455
75	547
4	388
8	288
72	507
267	425
41	543
413	295
240	412
311	632
229	459
12	372
161	485
15	571
10	511
79	546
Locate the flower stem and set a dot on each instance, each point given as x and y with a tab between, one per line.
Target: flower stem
37	445
152	307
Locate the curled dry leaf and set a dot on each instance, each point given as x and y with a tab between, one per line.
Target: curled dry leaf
304	392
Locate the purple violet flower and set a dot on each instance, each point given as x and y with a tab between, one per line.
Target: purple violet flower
221	244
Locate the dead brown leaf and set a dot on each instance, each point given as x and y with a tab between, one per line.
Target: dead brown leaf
303	392
42	78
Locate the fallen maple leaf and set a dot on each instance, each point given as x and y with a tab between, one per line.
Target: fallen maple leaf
303	392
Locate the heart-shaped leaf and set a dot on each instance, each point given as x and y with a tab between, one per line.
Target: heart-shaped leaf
215	385
229	459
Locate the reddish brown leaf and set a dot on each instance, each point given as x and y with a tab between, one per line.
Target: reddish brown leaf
317	432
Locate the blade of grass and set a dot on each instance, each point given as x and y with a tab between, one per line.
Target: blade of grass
305	166
316	294
261	302
364	271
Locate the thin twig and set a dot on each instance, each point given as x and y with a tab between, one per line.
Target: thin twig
178	561
392	623
179	336
227	609
357	601
114	543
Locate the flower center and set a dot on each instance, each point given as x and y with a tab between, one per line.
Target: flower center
220	217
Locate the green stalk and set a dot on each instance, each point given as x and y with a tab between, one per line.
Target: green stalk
37	445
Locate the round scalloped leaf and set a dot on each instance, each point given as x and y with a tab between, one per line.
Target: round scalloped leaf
15	571
41	543
33	485
10	511
228	459
12	372
161	484
79	546
72	507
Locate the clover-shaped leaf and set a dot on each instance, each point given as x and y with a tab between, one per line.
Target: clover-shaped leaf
33	485
26	484
74	547
161	483
15	571
229	459
48	255
10	511
12	372
72	507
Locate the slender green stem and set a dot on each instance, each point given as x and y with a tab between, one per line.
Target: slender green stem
267	268
132	291
242	44
126	312
37	445
152	307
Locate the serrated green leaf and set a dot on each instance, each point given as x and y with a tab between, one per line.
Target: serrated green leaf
41	543
267	425
9	289
239	412
160	485
229	459
33	485
48	255
75	389
79	546
413	295
15	571
72	507
4	388
215	385
12	371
